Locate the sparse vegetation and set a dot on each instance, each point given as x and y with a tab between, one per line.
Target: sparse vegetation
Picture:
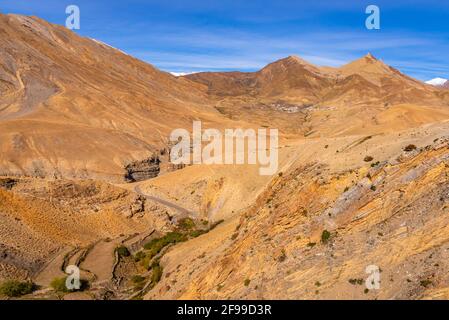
325	236
197	233
186	224
156	272
410	148
368	159
139	256
283	256
356	281
123	251
14	288
247	282
137	278
425	283
311	244
156	245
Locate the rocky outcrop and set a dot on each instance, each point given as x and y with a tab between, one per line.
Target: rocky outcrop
7	183
143	170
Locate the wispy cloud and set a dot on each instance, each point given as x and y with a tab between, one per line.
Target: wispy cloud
192	50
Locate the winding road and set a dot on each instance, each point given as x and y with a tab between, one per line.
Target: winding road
166	203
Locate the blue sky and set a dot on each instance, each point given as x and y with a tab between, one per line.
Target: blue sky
197	35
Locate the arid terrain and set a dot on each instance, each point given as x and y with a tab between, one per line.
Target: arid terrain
85	177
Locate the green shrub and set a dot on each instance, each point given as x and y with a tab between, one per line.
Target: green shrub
139	256
58	284
325	236
186	224
137	278
156	245
197	233
14	288
157	272
247	282
123	251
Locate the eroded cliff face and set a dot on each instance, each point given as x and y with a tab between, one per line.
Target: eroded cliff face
313	233
143	170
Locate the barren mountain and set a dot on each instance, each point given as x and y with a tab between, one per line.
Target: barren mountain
66	98
293	78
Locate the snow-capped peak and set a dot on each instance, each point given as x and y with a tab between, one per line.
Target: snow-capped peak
180	74
437	82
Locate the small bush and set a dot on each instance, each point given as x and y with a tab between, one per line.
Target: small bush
14	288
137	278
409	148
311	244
355	281
247	282
425	283
139	256
283	256
157	272
368	159
123	251
373	188
325	236
186	224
